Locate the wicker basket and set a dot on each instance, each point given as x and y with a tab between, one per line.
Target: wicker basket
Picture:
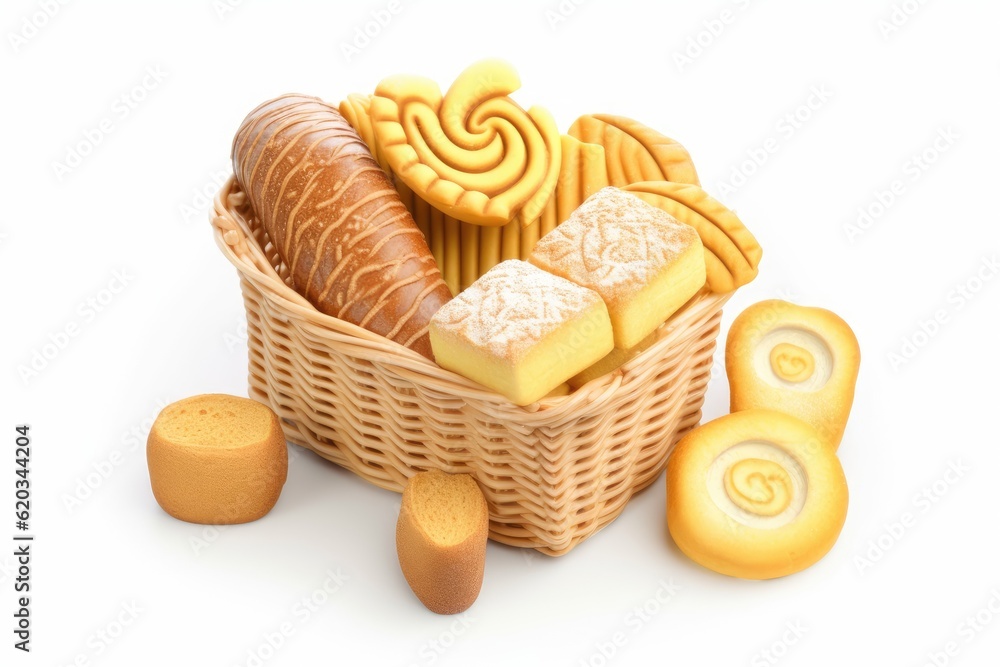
553	473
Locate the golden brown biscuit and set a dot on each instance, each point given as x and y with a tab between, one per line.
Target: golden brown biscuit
441	539
216	459
756	494
798	360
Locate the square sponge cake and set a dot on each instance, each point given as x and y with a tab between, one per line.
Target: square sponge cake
521	331
643	262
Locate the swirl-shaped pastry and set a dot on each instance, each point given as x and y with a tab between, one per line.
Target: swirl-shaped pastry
634	152
800	360
731	251
474	153
756	494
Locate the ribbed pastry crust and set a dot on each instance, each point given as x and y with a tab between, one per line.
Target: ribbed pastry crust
351	246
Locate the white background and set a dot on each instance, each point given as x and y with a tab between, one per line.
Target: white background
134	205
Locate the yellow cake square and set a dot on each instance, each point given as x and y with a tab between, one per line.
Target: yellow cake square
521	331
640	259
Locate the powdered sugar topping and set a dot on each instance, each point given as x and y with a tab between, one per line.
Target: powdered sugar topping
614	242
512	306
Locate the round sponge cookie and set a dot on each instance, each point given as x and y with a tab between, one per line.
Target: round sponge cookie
799	360
441	539
216	459
756	494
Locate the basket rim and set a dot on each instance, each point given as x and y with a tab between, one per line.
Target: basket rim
236	241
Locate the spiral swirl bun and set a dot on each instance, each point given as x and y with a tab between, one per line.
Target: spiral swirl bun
474	153
755	494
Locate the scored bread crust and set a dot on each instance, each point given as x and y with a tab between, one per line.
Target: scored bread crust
446	576
335	219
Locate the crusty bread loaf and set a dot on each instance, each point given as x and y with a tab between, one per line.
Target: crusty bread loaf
352	248
441	539
216	459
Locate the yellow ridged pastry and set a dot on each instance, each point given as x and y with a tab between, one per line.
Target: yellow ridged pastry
799	360
470	253
510	240
731	252
473	153
582	173
452	268
643	262
521	331
755	494
634	152
489	248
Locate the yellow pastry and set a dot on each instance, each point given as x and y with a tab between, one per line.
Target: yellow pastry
756	494
521	331
612	361
216	459
799	360
634	152
643	262
472	153
731	252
